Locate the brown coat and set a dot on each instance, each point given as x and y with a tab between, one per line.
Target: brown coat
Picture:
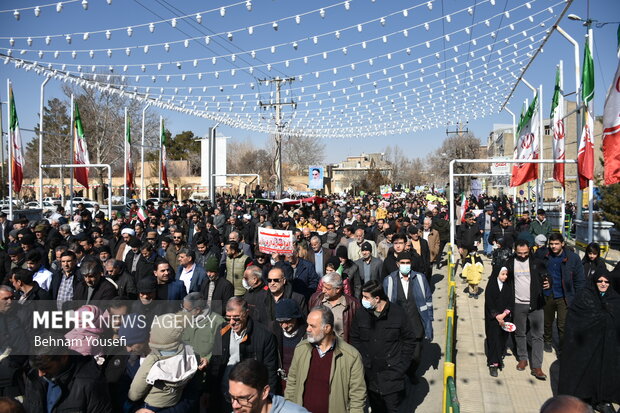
433	244
327	254
349	312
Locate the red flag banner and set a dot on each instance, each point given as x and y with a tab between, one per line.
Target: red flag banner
527	146
585	156
15	140
611	131
80	151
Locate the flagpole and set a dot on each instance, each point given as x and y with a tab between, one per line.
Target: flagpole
41	102
142	155
72	156
591	183
125	168
541	143
561	102
10	145
161	126
2	153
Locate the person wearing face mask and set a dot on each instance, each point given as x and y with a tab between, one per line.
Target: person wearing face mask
410	290
216	290
385	338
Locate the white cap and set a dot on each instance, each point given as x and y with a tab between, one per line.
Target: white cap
128	231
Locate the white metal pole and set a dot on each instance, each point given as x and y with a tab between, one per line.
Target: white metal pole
576	56
452	206
72	158
125	166
10	145
562	106
591	183
533	89
41	102
142	155
541	143
514	140
161	126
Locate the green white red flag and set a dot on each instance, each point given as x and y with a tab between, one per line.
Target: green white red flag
15	140
585	155
80	150
611	131
527	146
164	158
557	115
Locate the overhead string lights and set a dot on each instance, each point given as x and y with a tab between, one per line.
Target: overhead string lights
389	76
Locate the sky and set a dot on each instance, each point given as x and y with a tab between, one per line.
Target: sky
381	70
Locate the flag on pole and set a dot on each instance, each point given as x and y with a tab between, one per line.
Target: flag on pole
464	206
557	115
15	140
141	214
611	131
164	171
80	151
527	146
585	156
129	160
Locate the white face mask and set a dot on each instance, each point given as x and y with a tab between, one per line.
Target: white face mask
245	284
405	268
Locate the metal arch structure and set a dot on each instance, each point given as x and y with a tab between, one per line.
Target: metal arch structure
489	161
90	165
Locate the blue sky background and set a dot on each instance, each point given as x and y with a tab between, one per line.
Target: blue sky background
122	14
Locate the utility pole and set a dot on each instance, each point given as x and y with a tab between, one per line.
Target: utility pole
279	127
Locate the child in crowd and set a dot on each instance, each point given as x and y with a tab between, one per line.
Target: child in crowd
472	269
498	303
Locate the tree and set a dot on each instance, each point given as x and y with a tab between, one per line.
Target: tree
372	181
302	152
465	146
184	146
610	202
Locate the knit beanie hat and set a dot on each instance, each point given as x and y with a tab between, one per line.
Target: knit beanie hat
133	330
211	264
166	331
342	252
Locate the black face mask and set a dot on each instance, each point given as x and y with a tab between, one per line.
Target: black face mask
522	259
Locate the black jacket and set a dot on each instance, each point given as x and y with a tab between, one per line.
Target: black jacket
259	343
222	292
82	384
593	268
125	285
57	278
261	304
506	234
537	272
387	345
104	290
466	234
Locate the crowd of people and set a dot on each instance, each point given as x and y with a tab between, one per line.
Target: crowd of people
338	325
540	288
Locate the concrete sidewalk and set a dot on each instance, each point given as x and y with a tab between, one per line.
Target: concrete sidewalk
478	392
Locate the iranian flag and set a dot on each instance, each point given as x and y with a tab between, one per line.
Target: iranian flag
128	160
557	115
15	139
80	151
164	171
611	131
141	214
585	156
464	206
527	146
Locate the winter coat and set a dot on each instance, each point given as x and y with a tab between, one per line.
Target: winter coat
235	268
83	389
387	345
203	332
223	291
420	290
352	306
537	272
573	279
590	362
346	377
537	228
593	268
472	269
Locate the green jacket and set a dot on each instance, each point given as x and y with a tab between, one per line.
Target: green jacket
347	386
537	228
234	272
202	332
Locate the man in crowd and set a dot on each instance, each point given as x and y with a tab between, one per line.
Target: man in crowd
124	283
486	222
318	255
355	247
93	286
369	266
540	225
326	374
216	290
281	289
190	273
258	296
65	280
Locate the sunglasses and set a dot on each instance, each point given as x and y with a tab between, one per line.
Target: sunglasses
274	280
236	319
176	237
602	282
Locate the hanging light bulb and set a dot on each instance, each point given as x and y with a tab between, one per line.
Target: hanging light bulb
68	38
382	21
408	51
447	37
109	52
427	26
143	68
213	60
251	30
146	49
295	45
253	54
222	11
56	54
37	11
229	36
167	47
173	22
364	44
128	51
429	5
91	54
199	18
108	34
29	41
158	66
17	15
322	13
85	4
40	54
248	5
467	30
12	42
233	57
315	39
275	26
186	43
207	40
428	45
273	49
59	7
337	34
74	54
129	31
